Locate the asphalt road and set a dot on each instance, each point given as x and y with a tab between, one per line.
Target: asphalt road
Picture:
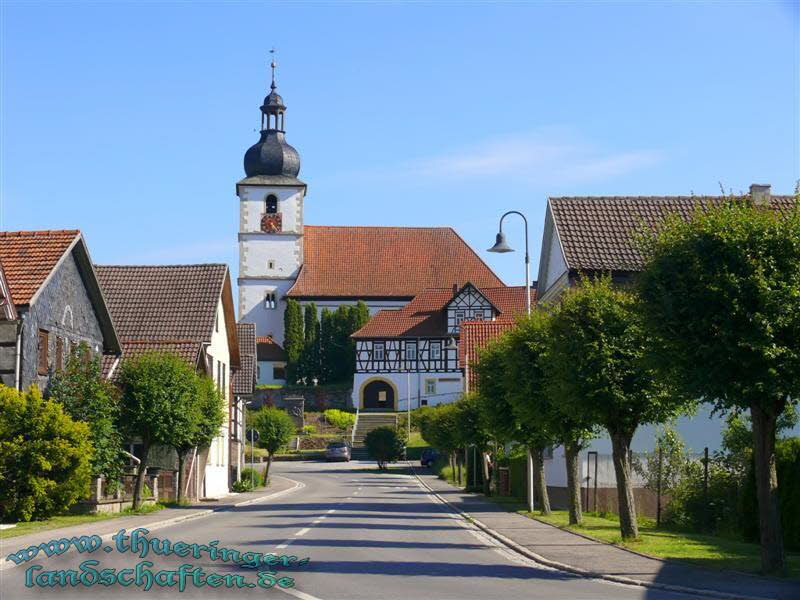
367	535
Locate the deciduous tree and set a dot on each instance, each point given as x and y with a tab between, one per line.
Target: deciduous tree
86	396
158	392
721	295
275	429
598	371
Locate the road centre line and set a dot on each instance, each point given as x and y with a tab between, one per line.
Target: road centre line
302	531
331	510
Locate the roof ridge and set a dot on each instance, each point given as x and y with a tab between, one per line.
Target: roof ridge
171	266
435	227
40	233
684	197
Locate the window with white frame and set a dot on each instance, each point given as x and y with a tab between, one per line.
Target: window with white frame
436	350
378	351
270	301
411	351
430	386
459	317
478	316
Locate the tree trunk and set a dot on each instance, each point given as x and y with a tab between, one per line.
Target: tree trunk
573	483
266	469
458	462
139	487
486	474
539	481
773	558
621	444
179	492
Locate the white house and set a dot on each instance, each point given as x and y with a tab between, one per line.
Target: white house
591	235
186	310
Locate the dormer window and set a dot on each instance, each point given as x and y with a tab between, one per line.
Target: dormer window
271	204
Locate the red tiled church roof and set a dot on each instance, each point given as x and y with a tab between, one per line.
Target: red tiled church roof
384	262
28	257
425	315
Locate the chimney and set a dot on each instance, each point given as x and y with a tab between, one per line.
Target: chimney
759	194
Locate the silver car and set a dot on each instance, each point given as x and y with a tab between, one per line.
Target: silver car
338	451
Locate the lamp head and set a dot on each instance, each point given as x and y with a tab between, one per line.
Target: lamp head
500	245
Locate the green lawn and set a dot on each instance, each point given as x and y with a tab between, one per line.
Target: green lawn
70	520
705	550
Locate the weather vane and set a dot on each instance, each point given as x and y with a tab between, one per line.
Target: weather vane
273	65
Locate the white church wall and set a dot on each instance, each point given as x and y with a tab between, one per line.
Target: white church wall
253	308
270	255
253	198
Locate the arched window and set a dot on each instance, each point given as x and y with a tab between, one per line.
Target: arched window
272	204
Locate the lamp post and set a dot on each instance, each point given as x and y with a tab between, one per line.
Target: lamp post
501	246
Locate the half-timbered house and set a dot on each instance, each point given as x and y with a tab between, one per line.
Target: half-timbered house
411	354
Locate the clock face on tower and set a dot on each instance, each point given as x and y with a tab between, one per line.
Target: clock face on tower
271	222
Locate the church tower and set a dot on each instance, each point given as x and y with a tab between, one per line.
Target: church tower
270	222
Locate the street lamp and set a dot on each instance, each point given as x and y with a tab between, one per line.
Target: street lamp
501	246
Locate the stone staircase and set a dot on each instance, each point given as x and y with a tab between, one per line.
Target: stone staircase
366	423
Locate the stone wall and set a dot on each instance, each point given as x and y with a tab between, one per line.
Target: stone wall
317	399
65	310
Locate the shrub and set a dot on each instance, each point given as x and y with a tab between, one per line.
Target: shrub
45	457
245	485
251	476
309	430
384	445
340	419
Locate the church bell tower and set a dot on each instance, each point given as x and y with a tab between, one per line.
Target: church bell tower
270	221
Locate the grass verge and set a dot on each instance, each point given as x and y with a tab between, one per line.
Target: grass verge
710	551
70	520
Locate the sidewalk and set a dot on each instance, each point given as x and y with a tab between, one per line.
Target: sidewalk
567	551
163	518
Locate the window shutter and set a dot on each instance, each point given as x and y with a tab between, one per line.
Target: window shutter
44	359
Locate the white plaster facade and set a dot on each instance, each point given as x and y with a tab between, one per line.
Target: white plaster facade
423	389
268	262
267	371
218	464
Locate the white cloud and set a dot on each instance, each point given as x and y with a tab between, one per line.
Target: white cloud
548	156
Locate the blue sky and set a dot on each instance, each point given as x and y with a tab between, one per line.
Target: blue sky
130	120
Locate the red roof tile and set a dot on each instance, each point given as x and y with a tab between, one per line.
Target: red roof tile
425	315
370	262
28	257
597	232
269	349
476	335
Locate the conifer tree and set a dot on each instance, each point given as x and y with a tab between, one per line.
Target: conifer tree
293	339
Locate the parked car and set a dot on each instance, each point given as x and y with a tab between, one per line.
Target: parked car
428	457
338	451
